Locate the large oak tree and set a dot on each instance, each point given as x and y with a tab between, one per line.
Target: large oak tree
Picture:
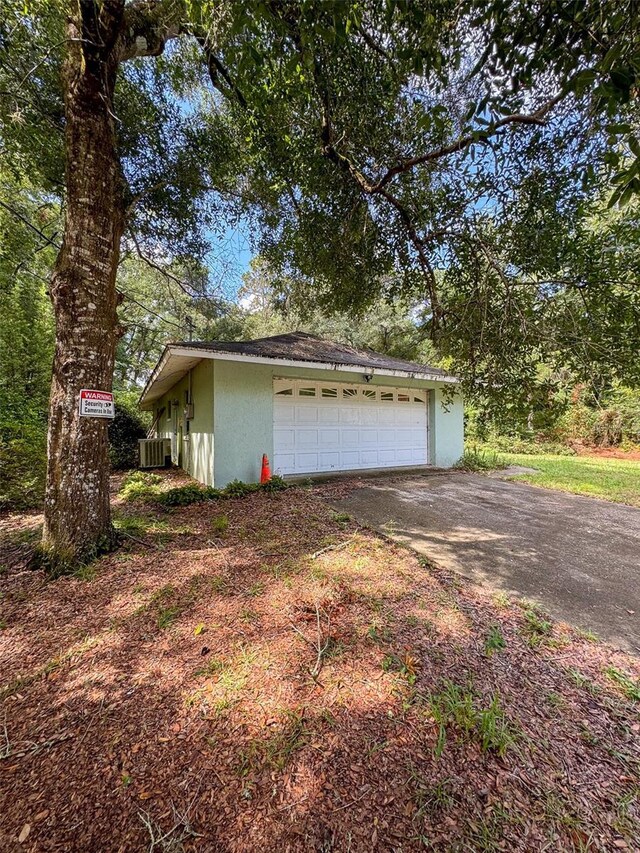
431	147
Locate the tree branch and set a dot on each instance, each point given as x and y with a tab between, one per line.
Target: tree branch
536	118
148	25
49	241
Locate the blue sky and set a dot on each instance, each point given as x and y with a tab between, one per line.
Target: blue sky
229	259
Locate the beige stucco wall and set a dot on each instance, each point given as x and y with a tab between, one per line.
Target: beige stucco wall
195	451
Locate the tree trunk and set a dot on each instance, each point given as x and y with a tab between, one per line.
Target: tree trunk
83	292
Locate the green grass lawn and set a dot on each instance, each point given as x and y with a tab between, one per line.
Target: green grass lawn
611	479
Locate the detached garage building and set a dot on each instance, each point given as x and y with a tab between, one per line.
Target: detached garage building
311	405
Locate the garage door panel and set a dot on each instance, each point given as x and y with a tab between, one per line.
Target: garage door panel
308	438
306	414
369	437
329	460
329	438
285	439
349	415
387	415
307	462
350	458
287	463
286	413
349	437
327	413
403	437
326	427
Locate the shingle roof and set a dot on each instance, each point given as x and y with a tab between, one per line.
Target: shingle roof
300	346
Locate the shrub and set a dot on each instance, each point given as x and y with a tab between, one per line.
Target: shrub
238	489
124	431
479	460
140	486
185	495
275	484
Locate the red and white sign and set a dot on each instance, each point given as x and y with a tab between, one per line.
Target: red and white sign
96	404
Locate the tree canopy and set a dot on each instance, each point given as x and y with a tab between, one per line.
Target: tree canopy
447	152
460	157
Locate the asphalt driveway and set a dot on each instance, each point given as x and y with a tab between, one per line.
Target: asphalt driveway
578	557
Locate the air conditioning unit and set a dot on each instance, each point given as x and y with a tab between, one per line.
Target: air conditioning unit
154	452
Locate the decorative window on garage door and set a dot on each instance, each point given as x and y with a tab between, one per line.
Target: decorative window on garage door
283	388
361	393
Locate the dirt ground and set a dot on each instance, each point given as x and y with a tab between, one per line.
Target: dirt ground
262	674
606	452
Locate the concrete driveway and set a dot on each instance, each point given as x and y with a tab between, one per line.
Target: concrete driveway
578	557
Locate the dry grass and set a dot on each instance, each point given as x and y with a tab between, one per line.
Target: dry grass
170	696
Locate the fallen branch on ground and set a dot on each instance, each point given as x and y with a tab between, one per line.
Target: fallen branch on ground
319	646
337	547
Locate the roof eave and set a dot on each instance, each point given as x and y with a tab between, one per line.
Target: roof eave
201	353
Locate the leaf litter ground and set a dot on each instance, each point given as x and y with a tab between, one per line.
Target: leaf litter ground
164	700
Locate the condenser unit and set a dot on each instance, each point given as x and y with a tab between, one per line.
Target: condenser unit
154	452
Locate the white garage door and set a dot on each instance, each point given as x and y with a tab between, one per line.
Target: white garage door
333	427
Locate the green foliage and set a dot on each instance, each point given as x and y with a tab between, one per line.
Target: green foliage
629	686
124	431
479	460
494	641
363	166
220	524
501	444
609	421
536	628
23	464
140	486
610	479
60	561
167	616
275	484
456	707
238	489
185	495
26	340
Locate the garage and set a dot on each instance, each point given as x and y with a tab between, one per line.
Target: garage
326	426
311	405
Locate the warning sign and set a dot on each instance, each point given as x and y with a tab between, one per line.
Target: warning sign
96	404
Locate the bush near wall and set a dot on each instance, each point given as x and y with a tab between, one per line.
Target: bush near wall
125	430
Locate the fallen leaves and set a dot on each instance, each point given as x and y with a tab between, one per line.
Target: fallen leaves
259	756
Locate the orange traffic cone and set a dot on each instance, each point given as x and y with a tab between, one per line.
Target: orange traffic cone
265	474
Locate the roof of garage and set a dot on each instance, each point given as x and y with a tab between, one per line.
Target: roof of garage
293	349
